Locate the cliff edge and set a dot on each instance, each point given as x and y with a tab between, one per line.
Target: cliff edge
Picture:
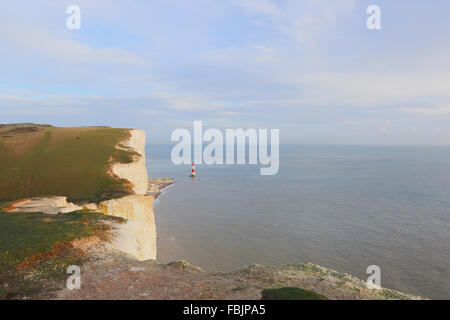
118	277
137	237
135	171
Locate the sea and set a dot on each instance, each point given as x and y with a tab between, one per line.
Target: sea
341	207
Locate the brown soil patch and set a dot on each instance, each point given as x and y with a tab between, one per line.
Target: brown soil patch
87	243
13	132
59	249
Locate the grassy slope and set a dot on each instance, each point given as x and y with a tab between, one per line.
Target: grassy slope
68	162
27	235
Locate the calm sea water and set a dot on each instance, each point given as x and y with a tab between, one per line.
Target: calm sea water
342	207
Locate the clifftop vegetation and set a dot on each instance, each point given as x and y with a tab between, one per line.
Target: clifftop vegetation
42	160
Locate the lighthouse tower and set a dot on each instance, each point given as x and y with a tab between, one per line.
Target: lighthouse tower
193	170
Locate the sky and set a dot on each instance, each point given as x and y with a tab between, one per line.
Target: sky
310	68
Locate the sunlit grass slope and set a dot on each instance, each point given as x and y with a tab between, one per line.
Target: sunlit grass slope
41	160
35	249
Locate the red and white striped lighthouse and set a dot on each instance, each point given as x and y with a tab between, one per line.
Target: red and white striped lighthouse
193	170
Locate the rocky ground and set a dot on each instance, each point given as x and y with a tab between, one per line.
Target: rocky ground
112	275
155	185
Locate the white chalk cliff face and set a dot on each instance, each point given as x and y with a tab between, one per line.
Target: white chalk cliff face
135	172
137	236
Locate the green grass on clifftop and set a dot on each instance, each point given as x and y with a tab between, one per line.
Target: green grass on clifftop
40	160
35	249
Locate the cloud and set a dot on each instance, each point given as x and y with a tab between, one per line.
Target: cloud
363	90
358	122
34	39
151	104
186	102
40	104
45	111
264	7
230	113
147	112
304	20
427	111
5	99
386	127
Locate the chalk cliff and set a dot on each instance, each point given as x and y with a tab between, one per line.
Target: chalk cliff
137	236
135	172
